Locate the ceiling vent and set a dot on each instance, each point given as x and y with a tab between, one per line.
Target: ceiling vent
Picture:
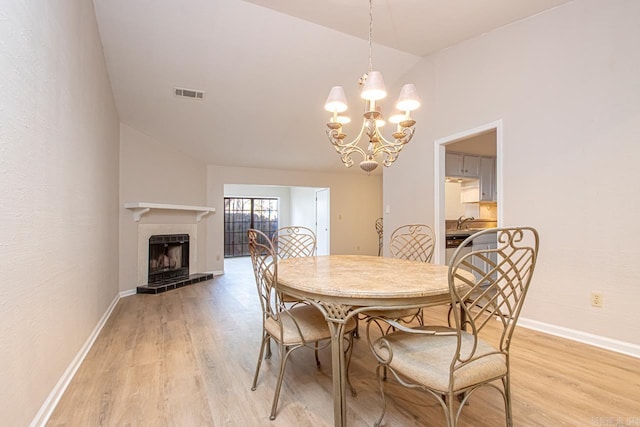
189	93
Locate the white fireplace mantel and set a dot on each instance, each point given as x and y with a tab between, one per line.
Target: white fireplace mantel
141	208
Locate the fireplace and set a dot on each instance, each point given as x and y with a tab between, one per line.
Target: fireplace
168	258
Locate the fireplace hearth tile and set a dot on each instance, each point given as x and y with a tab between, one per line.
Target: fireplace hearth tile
156	288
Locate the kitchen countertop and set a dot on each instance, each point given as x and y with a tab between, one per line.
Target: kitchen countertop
464	232
487	238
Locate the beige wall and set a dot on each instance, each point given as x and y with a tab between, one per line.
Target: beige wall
58	197
156	173
355	204
565	85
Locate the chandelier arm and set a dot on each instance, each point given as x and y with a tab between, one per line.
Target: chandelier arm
391	149
346	149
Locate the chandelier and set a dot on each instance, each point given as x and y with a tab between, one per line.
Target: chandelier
373	90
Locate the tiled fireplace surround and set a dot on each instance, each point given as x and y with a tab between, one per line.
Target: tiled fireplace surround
145	231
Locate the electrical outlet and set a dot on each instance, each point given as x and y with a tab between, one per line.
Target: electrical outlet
596	299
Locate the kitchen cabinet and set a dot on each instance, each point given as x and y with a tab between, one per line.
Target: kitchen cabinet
462	165
487	179
483	243
482	189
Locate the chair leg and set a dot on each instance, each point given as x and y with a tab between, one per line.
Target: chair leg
315	346
354	393
451	410
268	355
384	400
284	355
507	400
265	342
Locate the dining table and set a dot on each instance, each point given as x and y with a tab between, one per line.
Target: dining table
343	286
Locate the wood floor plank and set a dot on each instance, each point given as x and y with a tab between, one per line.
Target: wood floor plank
187	357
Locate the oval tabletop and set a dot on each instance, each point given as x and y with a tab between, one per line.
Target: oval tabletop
360	279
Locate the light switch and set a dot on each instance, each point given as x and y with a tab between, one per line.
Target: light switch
387	209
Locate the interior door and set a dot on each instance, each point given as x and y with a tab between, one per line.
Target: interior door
322	221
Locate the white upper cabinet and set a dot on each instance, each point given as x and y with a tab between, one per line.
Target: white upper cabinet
462	165
487	179
482	188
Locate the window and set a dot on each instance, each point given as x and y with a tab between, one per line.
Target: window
242	213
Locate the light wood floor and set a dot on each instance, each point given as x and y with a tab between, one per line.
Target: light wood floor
187	357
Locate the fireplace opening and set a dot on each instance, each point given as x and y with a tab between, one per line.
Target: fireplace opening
168	258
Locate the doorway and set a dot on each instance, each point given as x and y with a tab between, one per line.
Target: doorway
479	187
322	222
302	206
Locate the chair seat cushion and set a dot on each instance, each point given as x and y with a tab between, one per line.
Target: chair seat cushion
303	323
426	359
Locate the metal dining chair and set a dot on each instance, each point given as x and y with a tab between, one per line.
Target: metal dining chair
380	231
413	241
294	241
451	363
290	327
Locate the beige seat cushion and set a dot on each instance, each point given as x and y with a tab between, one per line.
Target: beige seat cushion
312	324
426	359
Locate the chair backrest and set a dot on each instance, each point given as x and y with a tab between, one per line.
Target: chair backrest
380	231
294	242
414	242
265	269
497	286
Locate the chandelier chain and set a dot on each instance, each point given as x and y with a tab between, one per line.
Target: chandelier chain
370	35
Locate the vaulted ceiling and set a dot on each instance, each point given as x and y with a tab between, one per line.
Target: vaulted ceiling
266	66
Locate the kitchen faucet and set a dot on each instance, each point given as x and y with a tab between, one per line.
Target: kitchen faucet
462	220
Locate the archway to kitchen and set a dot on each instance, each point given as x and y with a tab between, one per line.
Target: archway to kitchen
468	181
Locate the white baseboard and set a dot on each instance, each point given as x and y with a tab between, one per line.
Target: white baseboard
583	337
128	292
43	415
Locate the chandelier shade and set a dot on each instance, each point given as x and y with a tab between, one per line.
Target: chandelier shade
373	88
408	99
376	146
336	101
